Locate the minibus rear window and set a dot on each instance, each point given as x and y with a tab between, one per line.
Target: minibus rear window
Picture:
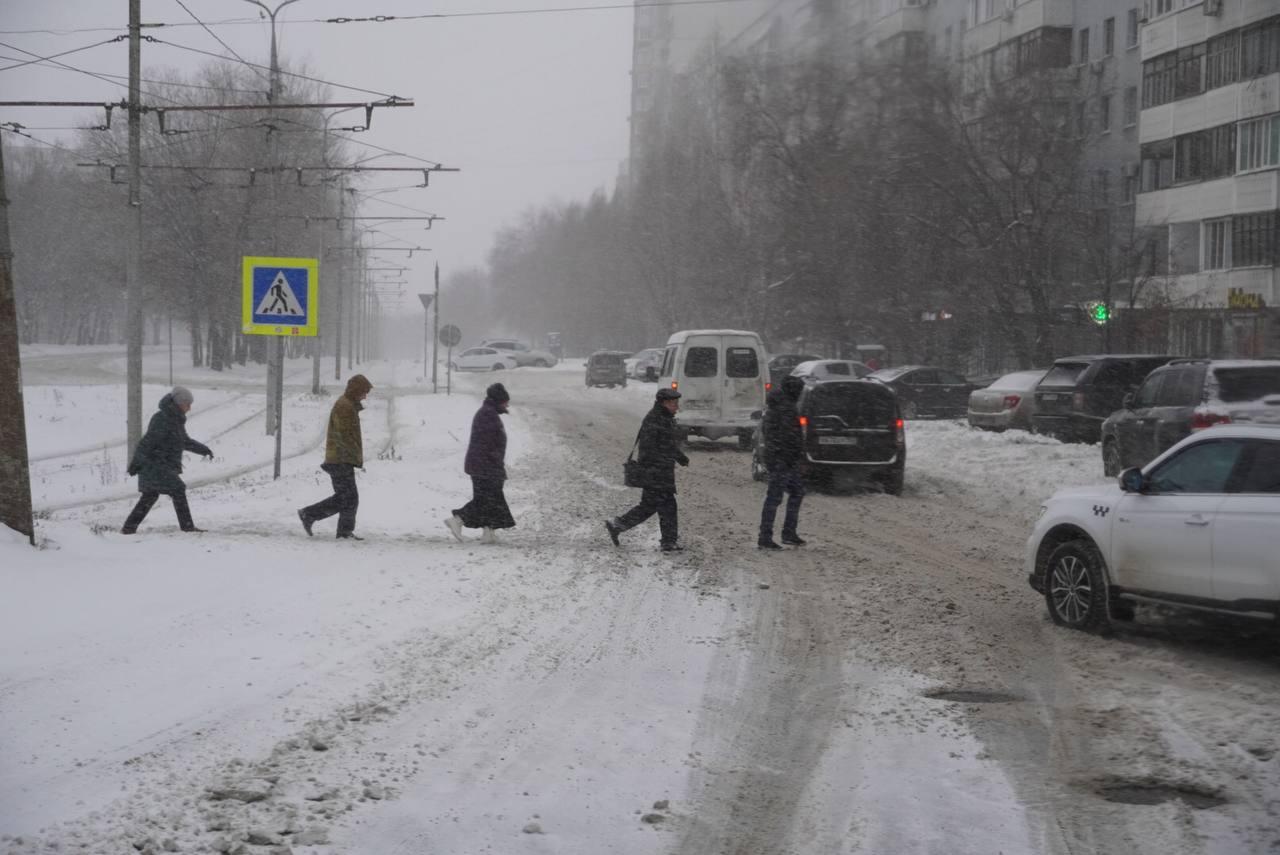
700	362
741	362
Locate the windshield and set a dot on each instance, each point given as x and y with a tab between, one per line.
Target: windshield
606	359
850	405
1250	383
1019	380
889	373
1064	374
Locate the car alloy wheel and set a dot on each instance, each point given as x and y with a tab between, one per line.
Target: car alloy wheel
499	367
1075	589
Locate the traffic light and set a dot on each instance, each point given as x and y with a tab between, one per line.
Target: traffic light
1099	312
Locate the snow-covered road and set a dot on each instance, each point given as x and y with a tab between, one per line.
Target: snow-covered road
252	687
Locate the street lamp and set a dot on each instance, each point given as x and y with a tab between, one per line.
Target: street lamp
275	67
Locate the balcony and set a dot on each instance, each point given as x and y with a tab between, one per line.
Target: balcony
1017	21
1205	200
905	20
1259	96
1191	26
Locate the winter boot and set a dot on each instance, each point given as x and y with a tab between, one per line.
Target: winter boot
487	536
793	539
767	543
454	524
351	535
613	530
306	521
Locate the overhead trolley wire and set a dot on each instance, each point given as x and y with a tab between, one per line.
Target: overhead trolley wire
217	38
56	55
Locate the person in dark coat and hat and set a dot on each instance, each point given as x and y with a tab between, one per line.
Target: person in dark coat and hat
784	458
659	452
486	464
157	461
343	454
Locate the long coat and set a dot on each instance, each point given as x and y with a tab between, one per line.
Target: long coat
157	461
343	443
783	438
487	450
658	451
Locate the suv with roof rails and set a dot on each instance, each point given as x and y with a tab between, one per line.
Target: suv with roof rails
1079	392
1188	395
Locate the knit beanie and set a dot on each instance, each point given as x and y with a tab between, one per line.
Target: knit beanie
182	396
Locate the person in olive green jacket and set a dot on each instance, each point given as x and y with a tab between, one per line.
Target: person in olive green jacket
343	452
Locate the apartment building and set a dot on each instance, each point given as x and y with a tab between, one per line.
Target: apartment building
1210	134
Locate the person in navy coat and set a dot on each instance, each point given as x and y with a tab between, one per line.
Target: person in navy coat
486	464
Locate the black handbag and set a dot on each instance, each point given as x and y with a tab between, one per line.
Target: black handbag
634	473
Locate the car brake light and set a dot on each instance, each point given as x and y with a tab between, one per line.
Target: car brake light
1011	401
804	421
900	432
1202	419
1077	401
675	385
768	386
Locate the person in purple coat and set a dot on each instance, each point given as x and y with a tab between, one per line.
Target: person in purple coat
486	464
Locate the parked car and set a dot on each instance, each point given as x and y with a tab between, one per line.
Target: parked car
818	370
853	433
1079	392
1007	402
1194	528
784	363
925	390
521	352
482	359
720	375
644	365
1184	396
607	368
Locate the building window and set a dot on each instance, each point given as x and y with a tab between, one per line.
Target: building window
1109	37
1157	165
1205	155
1254	240
1104	112
1130	106
946	42
1157	80
1189	77
1259	143
1082	47
1131	35
1082	122
1154	8
1222	60
1128	184
1260	48
1215	244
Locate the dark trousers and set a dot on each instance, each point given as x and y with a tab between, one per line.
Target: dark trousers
660	502
343	502
792	482
145	503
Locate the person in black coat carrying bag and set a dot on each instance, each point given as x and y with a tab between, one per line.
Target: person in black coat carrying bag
659	452
486	464
157	461
784	458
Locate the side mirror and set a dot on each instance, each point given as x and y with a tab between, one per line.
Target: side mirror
1131	480
1128	400
756	415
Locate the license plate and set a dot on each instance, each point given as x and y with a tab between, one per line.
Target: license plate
837	440
1050	397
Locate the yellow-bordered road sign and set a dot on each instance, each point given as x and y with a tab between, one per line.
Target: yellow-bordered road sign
281	296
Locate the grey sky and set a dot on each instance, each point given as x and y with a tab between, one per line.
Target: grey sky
532	107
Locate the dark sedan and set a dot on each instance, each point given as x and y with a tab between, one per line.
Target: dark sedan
925	390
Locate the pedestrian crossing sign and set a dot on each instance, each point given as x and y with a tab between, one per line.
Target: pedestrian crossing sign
280	296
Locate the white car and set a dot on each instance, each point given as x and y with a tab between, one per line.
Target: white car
644	365
820	370
482	359
1194	528
521	352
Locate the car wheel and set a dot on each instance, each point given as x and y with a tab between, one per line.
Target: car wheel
1075	588
746	440
540	363
1111	464
499	367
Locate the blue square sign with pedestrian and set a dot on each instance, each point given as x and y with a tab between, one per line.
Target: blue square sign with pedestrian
280	296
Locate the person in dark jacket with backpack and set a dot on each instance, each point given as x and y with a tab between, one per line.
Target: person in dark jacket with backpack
486	464
343	455
659	452
783	454
157	461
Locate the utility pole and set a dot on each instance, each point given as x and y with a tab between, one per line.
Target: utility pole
133	254
435	338
15	474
